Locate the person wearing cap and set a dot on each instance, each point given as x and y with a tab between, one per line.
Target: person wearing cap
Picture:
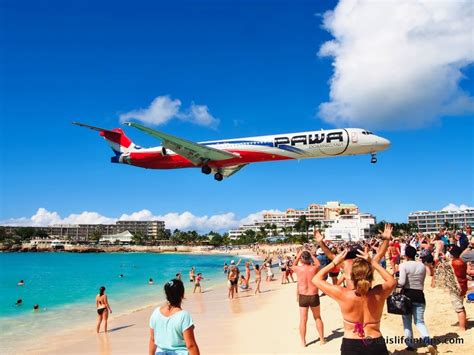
412	279
308	293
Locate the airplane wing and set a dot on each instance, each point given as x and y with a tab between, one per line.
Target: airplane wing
231	170
196	153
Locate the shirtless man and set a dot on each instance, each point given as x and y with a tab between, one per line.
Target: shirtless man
347	263
247	274
308	296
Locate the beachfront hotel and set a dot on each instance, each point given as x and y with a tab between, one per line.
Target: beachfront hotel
327	214
431	221
84	232
314	212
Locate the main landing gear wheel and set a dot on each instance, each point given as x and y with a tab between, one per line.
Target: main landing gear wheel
218	176
206	170
374	158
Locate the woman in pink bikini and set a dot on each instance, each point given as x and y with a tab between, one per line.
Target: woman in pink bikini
361	306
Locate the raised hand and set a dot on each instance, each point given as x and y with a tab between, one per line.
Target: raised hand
317	236
387	233
340	257
364	255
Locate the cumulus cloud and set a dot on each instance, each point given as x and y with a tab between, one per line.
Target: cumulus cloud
43	217
454	207
397	63
184	221
163	109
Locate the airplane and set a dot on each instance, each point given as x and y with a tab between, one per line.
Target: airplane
225	157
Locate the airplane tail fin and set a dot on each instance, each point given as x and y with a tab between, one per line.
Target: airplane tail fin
116	138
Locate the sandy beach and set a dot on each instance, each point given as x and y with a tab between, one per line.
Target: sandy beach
256	324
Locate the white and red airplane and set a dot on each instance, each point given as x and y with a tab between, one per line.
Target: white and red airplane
226	157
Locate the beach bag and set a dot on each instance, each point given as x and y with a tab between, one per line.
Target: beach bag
398	303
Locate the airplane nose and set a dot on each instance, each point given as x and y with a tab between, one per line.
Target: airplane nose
384	143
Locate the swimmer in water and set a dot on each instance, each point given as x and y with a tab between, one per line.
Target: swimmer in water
36	308
121	275
19	302
150	281
21	283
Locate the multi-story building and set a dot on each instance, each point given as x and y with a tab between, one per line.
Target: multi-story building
431	221
314	212
83	232
326	214
351	227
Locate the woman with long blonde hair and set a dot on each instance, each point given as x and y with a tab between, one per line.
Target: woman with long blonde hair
362	305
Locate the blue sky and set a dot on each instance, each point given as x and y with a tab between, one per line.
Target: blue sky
257	69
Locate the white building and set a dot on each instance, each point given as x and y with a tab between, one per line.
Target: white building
122	238
350	227
431	221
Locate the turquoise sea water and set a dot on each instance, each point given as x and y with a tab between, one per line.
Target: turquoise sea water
65	285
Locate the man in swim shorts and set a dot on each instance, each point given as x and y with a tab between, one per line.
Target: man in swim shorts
306	266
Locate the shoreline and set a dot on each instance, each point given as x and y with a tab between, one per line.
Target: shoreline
178	249
259	324
84	326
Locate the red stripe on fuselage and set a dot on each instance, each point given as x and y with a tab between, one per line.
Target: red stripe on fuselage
155	160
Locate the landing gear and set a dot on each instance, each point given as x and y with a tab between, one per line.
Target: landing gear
206	169
373	160
218	176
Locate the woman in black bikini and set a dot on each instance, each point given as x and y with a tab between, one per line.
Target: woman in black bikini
362	305
103	309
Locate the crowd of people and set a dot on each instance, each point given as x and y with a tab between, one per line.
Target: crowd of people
345	272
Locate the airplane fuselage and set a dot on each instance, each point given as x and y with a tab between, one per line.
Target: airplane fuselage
302	145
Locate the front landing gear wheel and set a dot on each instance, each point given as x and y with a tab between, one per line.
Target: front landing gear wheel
206	170
218	176
374	158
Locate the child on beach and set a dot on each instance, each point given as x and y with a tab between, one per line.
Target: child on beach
171	327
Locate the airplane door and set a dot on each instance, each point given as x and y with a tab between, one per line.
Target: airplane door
354	137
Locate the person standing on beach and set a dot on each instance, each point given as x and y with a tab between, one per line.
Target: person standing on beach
412	279
247	274
232	279
103	309
258	278
361	306
171	327
308	296
352	254
197	284
192	275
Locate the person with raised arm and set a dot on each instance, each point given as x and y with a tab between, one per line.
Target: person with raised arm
362	305
308	293
347	264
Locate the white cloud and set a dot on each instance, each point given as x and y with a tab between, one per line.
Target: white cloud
199	114
183	221
43	217
163	109
397	63
453	207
